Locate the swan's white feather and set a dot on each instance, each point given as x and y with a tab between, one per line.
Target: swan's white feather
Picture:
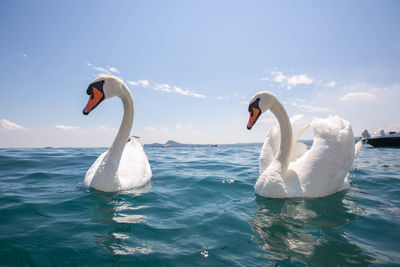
93	169
269	149
320	171
272	141
133	170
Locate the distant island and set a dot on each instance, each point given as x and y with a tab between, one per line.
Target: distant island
168	144
172	143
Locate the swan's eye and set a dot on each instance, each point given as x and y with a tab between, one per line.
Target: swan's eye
254	105
90	92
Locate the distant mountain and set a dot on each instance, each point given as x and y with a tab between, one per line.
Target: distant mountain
175	144
154	144
172	143
169	143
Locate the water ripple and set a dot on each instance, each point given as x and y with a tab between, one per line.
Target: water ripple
198	209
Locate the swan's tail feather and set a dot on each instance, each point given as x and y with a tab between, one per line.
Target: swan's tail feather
300	133
298	126
334	128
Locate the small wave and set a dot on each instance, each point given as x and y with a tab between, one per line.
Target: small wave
199	208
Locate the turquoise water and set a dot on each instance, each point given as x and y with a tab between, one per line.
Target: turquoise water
199	209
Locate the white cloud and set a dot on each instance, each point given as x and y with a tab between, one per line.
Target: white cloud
357	96
300	100
163	88
112	69
289	81
103	128
10	126
223	97
237	96
100	69
106	71
330	84
178	90
299	79
144	83
279	77
300	103
150	129
165	129
316	109
179	126
133	83
66	127
22	54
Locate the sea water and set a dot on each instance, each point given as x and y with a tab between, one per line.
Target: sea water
199	209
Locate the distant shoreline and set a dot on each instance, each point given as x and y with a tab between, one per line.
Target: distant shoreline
169	143
144	145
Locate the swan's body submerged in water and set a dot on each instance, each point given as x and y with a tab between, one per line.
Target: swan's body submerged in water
124	165
287	168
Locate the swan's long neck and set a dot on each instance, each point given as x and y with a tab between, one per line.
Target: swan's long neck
285	147
121	139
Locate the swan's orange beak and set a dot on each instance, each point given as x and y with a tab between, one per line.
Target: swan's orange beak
254	114
95	90
96	96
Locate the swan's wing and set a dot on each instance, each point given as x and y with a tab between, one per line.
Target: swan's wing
298	150
272	141
323	168
92	170
134	168
269	149
299	128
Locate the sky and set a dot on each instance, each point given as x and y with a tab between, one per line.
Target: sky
193	66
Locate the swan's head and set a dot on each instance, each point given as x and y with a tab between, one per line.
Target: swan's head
101	88
259	104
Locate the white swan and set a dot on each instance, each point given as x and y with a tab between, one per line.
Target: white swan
124	165
287	168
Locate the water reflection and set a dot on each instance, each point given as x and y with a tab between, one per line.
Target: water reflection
310	231
116	216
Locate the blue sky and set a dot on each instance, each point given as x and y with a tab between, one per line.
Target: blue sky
192	67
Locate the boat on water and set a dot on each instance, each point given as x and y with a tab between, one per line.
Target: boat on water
392	139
